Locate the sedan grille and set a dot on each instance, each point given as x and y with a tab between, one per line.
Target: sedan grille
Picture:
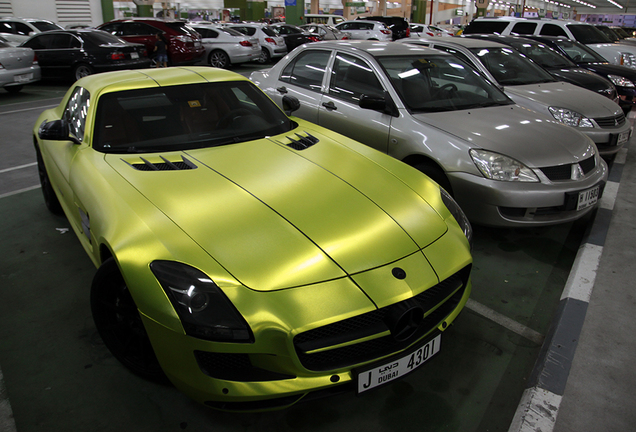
610	122
564	172
334	346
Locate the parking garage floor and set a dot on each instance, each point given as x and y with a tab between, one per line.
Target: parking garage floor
546	342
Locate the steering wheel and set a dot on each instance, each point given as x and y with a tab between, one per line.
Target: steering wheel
231	117
450	88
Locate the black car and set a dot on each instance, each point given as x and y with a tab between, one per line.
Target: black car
623	77
294	36
81	52
398	25
559	66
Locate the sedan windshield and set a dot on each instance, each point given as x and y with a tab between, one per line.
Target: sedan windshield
510	67
544	56
184	117
440	83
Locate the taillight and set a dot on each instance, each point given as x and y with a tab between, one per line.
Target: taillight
408	32
245	43
117	56
35	58
313	38
386	31
270	40
184	38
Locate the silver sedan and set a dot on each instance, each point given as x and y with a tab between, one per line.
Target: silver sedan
506	165
533	87
225	46
18	66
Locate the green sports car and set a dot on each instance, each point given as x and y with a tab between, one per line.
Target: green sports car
249	257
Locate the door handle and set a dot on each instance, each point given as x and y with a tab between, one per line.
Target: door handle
330	105
282	89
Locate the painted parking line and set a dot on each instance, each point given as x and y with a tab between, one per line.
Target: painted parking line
540	402
18	167
28	109
505	322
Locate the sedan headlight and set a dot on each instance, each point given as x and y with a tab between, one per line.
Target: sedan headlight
570	118
620	81
458	214
204	310
495	166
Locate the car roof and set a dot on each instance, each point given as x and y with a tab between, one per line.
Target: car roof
504	39
462	41
107	82
373	48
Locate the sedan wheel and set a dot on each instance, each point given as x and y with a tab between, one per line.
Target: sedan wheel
219	59
264	57
119	323
82	70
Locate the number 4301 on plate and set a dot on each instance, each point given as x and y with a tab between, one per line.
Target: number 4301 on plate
378	375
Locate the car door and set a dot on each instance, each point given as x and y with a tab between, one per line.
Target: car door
352	77
56	52
303	78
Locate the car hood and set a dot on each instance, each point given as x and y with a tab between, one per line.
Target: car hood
275	217
520	133
608	68
582	78
566	95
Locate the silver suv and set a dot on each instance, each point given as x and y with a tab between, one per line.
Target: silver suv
17	30
616	53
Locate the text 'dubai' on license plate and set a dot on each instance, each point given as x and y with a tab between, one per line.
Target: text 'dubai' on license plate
395	369
587	198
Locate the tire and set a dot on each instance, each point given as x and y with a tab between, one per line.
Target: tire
435	173
81	70
219	59
14	89
50	199
119	324
265	57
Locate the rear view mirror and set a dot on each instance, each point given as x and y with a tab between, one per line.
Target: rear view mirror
56	130
290	104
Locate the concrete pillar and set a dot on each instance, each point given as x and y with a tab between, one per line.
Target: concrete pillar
144	7
315	7
108	10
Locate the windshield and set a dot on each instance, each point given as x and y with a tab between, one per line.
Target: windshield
99	37
579	53
184	117
510	67
587	34
46	26
440	83
543	55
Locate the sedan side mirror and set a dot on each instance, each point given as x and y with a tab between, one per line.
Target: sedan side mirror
56	130
290	104
378	103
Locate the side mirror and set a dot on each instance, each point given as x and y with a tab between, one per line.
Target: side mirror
383	104
290	104
56	130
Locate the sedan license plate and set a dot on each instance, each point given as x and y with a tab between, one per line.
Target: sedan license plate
623	137
587	198
379	375
23	77
134	55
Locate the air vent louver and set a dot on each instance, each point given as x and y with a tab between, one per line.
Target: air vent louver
166	165
302	142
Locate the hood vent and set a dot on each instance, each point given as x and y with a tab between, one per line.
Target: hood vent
302	142
166	165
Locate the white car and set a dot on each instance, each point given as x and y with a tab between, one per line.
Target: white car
17	30
272	45
615	53
226	46
366	30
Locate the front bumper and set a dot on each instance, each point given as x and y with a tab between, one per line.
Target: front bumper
609	141
515	204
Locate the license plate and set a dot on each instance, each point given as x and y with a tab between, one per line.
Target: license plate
392	370
134	55
623	137
587	198
23	77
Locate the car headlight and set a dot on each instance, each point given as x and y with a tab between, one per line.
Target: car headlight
495	166
204	310
620	81
458	214
569	117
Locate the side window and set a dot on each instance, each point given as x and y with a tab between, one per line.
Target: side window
552	30
36	43
76	110
366	26
524	28
351	77
62	41
22	29
6	27
307	70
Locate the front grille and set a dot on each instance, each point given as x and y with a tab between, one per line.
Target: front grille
610	122
437	303
564	172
